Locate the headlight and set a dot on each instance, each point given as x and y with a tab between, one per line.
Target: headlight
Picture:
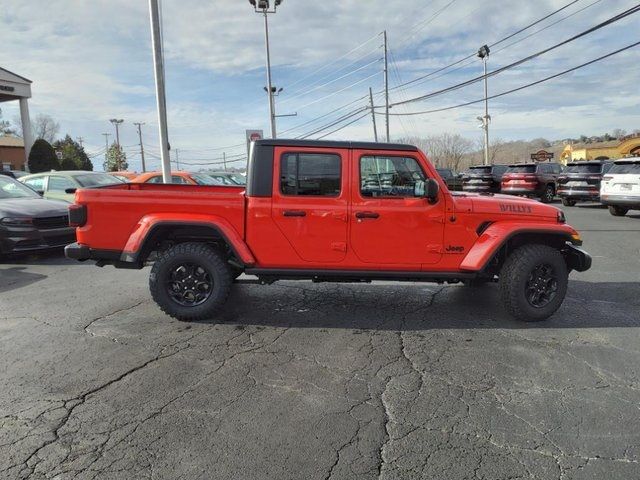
16	221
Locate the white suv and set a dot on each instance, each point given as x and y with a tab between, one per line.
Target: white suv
620	187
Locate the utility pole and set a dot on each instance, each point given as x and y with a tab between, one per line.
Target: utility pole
177	160
158	63
224	160
81	141
106	145
117	123
373	115
483	53
386	86
139	125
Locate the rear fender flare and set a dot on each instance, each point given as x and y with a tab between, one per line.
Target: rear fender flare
499	233
150	223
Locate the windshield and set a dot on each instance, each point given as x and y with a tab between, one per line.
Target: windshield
626	168
522	169
202	179
221	179
584	168
10	188
97	180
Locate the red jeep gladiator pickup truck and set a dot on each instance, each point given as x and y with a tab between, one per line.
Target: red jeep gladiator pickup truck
328	211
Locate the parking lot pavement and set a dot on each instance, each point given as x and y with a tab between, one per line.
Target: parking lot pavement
316	381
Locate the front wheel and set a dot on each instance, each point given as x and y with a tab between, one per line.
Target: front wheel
533	282
617	211
568	203
548	194
190	281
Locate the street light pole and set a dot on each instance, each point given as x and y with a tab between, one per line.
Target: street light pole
161	99
117	123
106	146
483	53
386	86
373	115
262	6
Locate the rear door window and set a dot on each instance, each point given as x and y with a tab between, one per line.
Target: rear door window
586	168
60	184
310	174
390	177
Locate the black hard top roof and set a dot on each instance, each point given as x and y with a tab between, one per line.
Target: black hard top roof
282	142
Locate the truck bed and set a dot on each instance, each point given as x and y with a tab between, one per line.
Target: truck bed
117	223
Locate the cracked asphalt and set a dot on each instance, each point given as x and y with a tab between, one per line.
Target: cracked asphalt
322	381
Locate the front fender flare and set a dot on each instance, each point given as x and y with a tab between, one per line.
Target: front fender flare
497	234
148	223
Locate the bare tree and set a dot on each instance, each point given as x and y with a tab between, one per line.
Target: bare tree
43	126
618	133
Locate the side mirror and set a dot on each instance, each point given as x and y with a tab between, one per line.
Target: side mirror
71	190
431	190
40	192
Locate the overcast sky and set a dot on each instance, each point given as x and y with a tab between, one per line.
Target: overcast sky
91	60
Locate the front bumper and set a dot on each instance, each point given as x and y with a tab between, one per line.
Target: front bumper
577	259
621	200
23	240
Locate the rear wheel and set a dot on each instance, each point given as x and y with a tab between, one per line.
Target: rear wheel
533	282
617	211
190	281
548	194
568	202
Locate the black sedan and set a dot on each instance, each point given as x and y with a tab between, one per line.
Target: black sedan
28	222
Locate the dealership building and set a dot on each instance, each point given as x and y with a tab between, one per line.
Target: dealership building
628	146
13	87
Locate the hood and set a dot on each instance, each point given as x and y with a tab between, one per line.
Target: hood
33	207
503	205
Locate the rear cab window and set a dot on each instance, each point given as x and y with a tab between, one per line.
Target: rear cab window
521	169
310	174
584	168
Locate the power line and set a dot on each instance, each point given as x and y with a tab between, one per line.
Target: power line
306	92
457	62
607	22
366	114
528	85
335	122
334	61
338	91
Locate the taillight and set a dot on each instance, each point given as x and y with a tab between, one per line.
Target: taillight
77	215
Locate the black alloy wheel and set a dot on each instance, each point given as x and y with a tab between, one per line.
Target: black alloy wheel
189	284
542	286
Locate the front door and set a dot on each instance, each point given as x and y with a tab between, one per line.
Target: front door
310	201
391	222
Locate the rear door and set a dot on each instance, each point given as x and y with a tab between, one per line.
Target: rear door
390	222
57	186
310	201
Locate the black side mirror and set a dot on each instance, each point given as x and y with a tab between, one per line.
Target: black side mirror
431	190
40	192
71	190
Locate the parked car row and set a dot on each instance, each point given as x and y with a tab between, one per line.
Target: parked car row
185	178
612	183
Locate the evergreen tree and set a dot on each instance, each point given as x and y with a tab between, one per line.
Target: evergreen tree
116	159
73	155
42	158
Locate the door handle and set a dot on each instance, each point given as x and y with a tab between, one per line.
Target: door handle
294	213
367	214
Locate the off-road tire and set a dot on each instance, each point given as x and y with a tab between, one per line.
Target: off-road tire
568	203
617	211
549	194
515	274
203	256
